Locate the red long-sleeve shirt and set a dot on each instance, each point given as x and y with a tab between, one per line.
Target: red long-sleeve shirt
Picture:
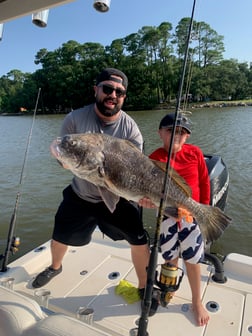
190	164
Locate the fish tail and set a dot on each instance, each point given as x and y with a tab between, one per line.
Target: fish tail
212	221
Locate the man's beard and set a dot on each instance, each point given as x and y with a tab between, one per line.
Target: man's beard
105	111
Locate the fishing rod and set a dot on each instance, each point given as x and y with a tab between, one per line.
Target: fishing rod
13	242
151	270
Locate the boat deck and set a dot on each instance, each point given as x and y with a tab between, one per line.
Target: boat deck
91	274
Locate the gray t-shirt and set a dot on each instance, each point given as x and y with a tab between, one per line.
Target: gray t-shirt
86	120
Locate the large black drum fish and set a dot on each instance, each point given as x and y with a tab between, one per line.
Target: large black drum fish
119	169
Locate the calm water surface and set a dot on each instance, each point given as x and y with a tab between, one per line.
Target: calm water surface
220	131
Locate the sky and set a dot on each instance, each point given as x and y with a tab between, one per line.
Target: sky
80	22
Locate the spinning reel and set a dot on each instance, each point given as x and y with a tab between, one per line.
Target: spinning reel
169	282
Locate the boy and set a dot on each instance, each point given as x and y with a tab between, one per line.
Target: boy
181	237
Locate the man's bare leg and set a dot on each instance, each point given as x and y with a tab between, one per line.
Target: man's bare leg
58	251
140	255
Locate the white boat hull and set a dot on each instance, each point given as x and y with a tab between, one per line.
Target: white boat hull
91	273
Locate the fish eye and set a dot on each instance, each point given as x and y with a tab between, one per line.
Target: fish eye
67	140
72	142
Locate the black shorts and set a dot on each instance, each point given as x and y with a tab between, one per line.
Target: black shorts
76	220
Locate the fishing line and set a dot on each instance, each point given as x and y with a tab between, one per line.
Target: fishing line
186	90
151	271
177	111
10	241
188	83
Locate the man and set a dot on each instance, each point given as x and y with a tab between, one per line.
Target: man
82	208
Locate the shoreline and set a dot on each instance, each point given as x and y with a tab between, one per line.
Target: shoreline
212	104
221	104
164	106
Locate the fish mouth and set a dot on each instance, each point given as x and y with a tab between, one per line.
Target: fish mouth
61	155
55	149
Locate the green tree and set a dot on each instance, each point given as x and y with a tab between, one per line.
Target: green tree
12	91
152	58
206	46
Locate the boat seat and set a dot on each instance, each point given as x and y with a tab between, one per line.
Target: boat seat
17	312
22	316
62	325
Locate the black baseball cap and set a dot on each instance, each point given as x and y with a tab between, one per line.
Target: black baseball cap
108	73
182	121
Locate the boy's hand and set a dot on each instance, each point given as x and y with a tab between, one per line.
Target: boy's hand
186	215
181	212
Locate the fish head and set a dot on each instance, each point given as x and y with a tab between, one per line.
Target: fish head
80	153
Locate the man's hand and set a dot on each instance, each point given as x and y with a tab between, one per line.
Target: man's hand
146	203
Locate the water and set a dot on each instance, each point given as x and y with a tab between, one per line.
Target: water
219	131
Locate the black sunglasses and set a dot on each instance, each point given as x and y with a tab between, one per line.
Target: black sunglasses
107	89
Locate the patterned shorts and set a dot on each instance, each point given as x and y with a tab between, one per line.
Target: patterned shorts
181	239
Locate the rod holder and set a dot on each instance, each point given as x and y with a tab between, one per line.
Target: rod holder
40	18
1	31
7	282
102	6
85	314
42	296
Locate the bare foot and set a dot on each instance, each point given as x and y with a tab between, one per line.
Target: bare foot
200	314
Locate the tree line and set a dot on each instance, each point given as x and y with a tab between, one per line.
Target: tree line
152	58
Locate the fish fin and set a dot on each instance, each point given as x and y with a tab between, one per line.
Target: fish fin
175	176
109	198
161	165
178	214
212	223
171	212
